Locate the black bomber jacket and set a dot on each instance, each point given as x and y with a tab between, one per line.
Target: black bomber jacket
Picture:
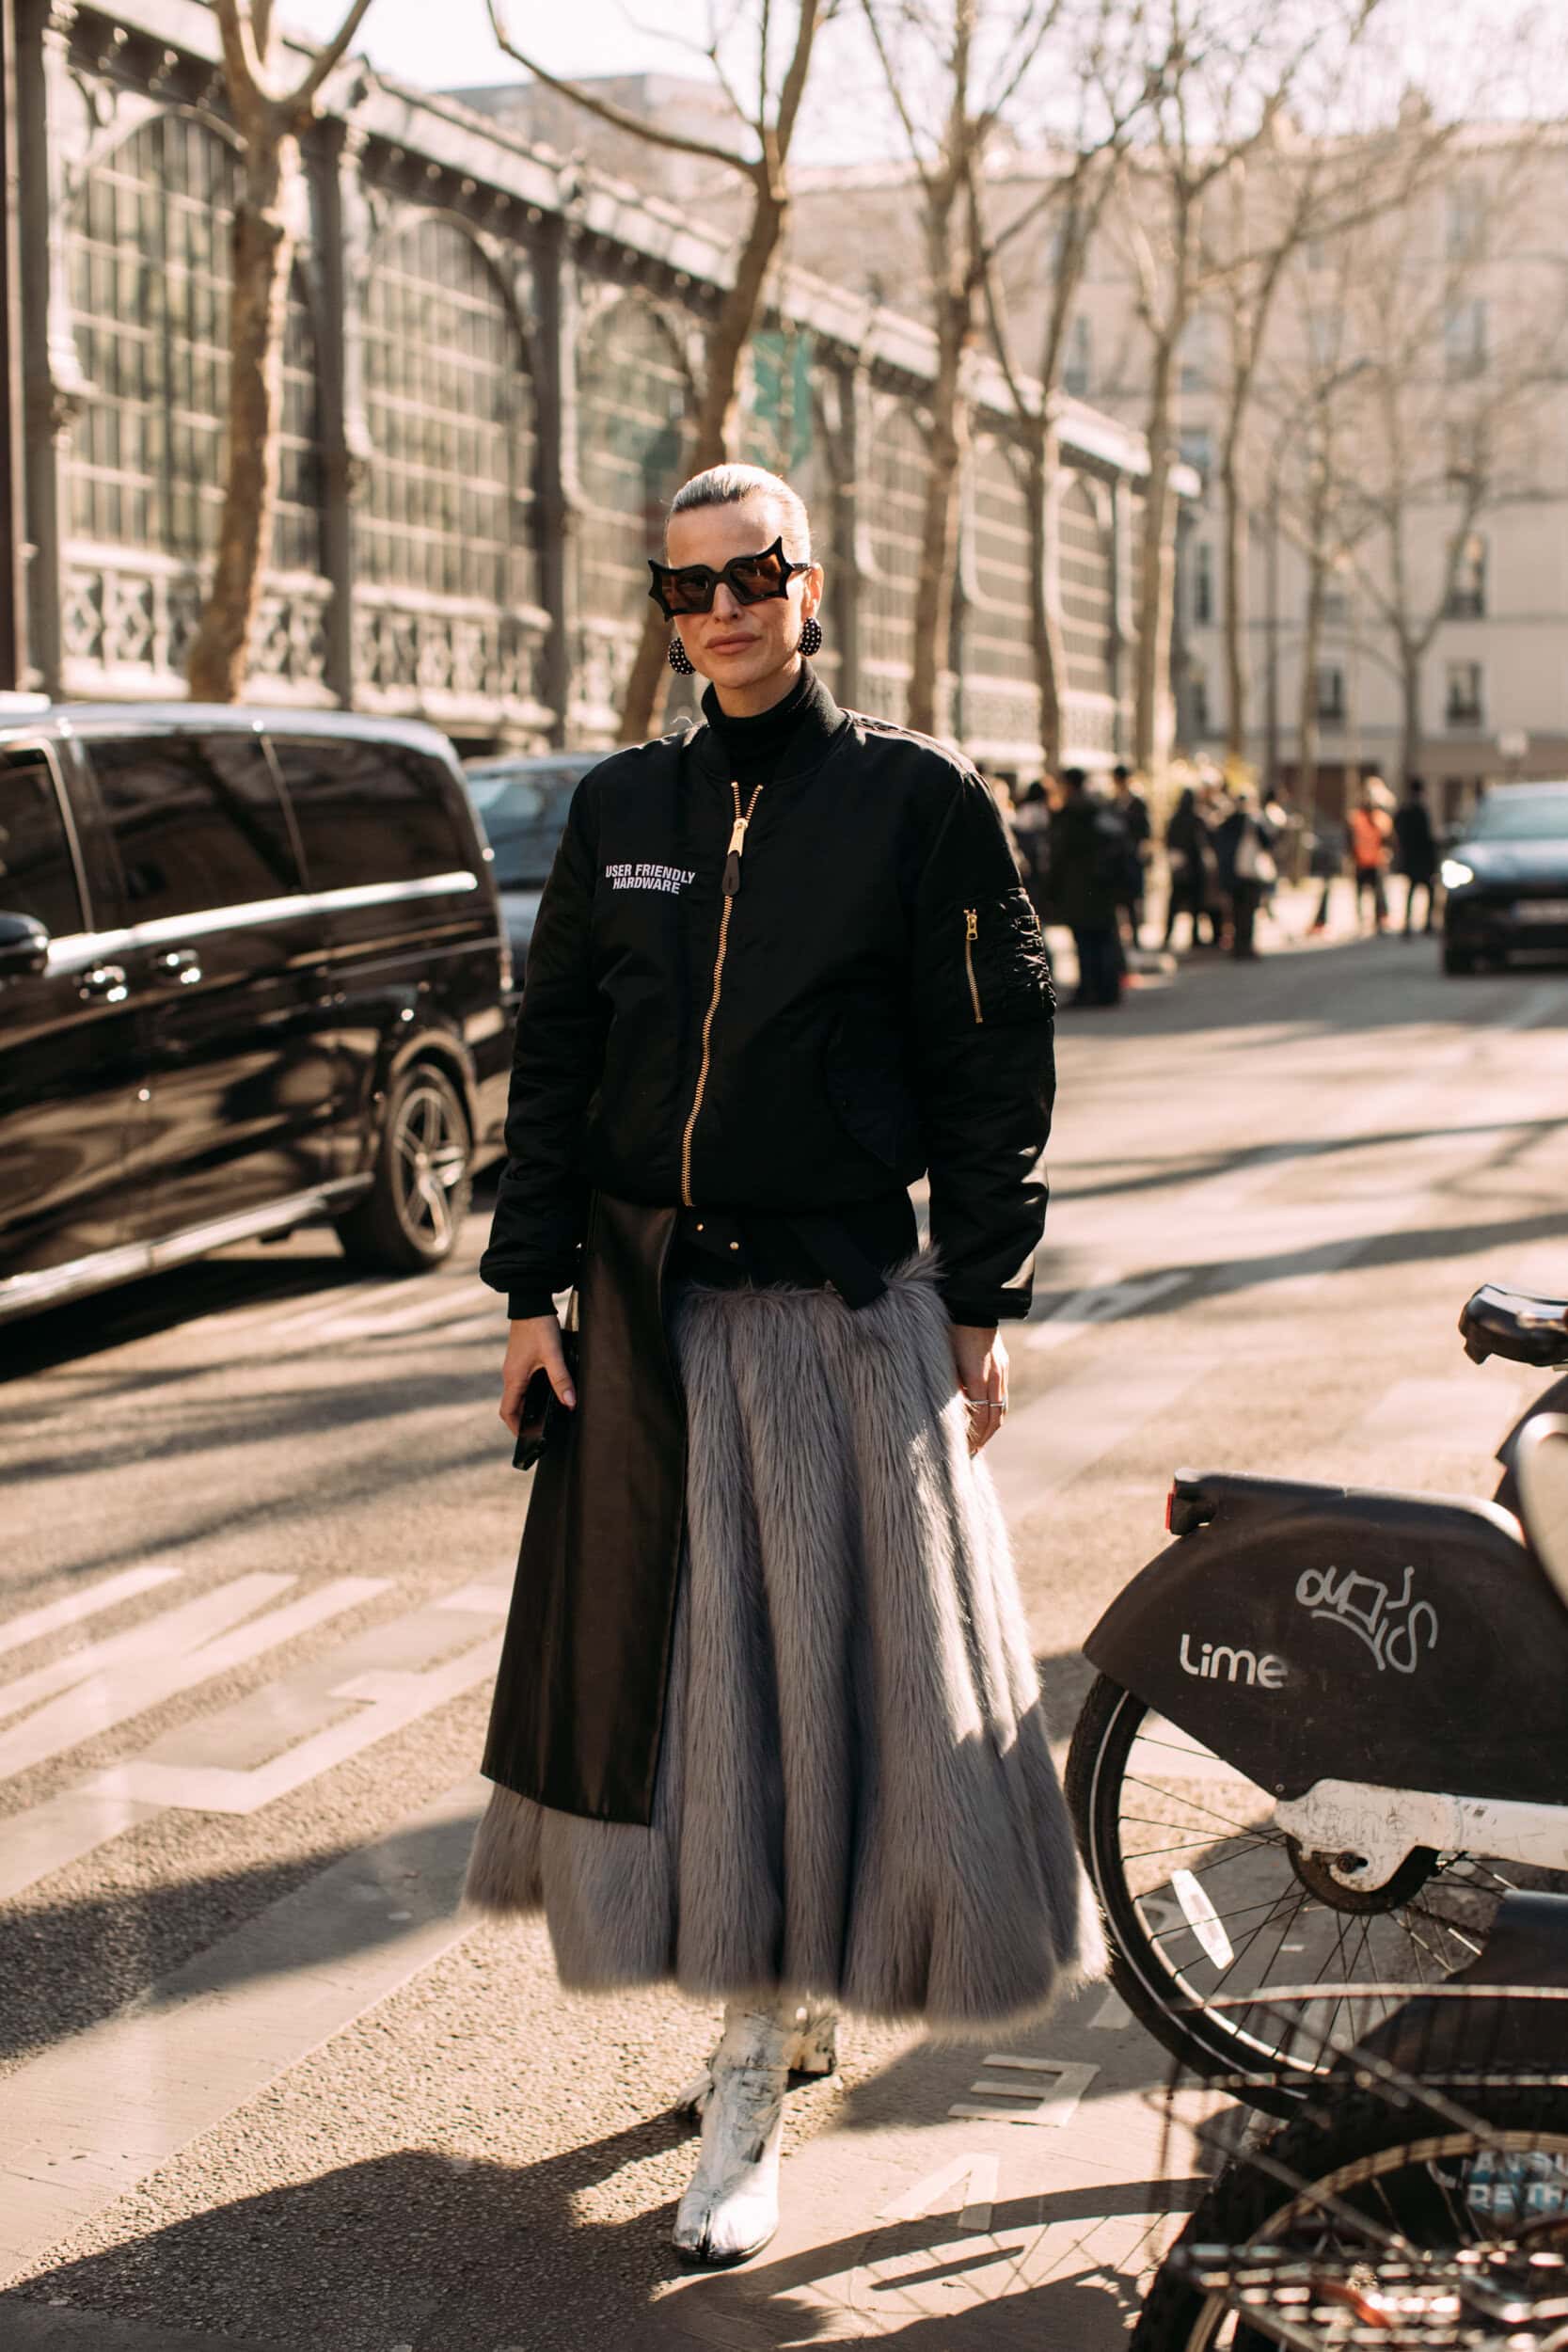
868	1002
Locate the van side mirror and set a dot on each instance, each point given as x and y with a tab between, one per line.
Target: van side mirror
1541	1469
23	947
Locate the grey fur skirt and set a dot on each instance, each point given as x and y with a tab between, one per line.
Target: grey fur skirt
856	1801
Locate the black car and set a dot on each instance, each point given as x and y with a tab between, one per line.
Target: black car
1506	877
252	975
522	805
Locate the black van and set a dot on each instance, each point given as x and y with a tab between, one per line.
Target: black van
252	974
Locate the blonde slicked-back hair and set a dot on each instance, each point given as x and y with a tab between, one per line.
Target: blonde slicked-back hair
726	485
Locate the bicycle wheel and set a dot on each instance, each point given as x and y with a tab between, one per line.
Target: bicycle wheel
1208	1899
1494	2185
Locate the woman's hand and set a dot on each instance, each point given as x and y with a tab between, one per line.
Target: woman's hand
531	1345
980	1361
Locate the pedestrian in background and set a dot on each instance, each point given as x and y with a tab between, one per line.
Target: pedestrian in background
1088	867
1370	829
766	1723
1131	810
1417	851
1032	829
1330	848
1190	857
1247	869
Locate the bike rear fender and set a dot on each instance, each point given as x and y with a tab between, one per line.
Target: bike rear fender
1308	1632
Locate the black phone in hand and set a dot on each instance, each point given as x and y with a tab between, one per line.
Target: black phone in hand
542	1414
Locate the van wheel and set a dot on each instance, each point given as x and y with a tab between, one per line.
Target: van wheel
1457	960
409	1219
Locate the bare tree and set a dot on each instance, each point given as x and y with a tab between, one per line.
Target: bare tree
1460	325
943	56
1069	211
770	120
270	118
1300	192
1219	81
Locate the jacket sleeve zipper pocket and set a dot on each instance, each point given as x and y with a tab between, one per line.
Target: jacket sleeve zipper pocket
972	928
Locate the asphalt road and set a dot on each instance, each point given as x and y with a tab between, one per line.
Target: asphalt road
259	2086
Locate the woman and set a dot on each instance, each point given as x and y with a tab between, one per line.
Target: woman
766	1723
1189	857
1247	869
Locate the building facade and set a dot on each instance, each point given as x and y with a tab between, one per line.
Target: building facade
491	354
1427	339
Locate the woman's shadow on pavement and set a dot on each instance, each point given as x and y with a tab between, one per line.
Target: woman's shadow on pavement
448	2255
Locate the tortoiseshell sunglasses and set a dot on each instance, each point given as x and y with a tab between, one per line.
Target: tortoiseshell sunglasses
750	579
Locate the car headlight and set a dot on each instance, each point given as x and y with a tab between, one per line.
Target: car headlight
1455	873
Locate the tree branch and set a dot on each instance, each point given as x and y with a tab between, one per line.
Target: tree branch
619	118
242	64
302	101
895	92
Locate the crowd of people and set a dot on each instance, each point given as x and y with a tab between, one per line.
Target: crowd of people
1085	846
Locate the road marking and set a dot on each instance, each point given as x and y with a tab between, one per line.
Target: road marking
16	1633
84	2122
129	1688
1075	1424
175	1630
978	2172
1105	1302
1203	1920
1054	2108
1111	2015
261	1746
449	1303
389	1702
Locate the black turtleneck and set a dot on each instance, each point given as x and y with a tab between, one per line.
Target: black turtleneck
783	737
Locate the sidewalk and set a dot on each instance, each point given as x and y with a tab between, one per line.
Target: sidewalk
1016	2195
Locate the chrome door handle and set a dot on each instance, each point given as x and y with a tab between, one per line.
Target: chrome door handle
103	980
177	967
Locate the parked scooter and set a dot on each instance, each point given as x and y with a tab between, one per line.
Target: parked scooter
1330	1732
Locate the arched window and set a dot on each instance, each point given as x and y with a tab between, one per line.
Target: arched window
633	400
894	513
997	626
150	274
1084	568
449	506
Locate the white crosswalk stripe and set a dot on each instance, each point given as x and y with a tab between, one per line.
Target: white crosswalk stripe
158	1670
88	2119
75	1608
269	1744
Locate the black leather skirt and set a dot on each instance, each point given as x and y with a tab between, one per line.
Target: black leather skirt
578	1716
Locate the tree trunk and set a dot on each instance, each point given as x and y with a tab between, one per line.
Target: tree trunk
1411	664
1048	642
933	608
1235	560
1311	640
263	256
1156	593
715	438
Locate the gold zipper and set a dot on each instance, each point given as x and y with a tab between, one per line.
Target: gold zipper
972	929
732	886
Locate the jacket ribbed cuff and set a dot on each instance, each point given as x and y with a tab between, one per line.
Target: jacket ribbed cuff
522	1306
982	1312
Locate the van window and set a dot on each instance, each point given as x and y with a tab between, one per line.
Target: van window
369	812
38	874
198	821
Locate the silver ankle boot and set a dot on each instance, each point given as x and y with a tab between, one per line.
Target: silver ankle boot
731	2209
812	2050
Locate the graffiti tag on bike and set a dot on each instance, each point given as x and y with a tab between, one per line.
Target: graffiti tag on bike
1399	1631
